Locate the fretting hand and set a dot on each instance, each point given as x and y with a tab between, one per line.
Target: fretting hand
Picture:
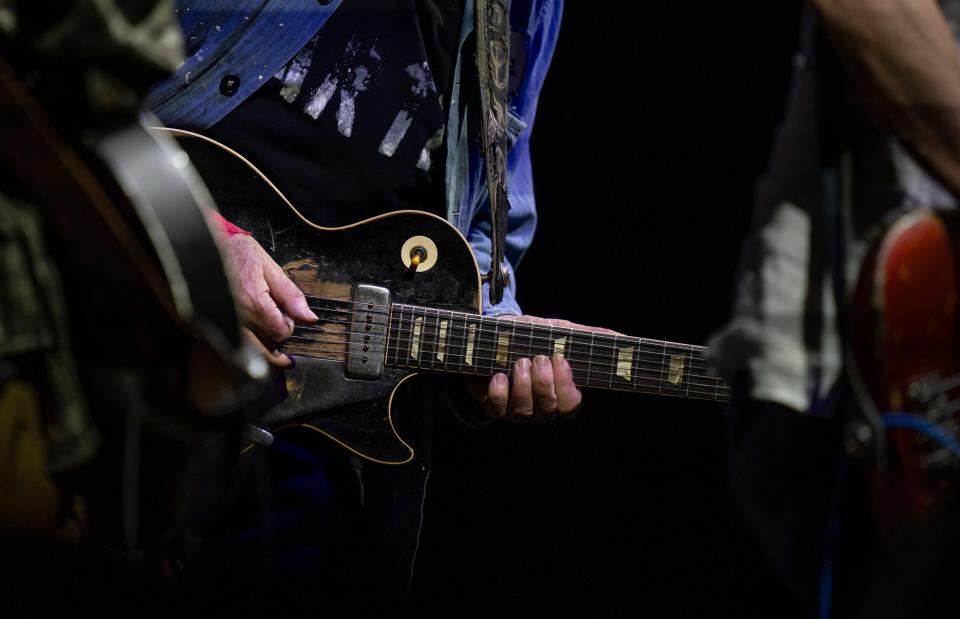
542	387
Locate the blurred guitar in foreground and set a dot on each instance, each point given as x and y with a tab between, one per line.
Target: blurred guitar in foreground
150	319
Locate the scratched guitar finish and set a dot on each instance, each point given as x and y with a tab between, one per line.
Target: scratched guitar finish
385	317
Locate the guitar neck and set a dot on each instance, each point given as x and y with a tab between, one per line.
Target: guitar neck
458	343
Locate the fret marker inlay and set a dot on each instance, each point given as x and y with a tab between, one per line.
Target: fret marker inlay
503	348
471	336
415	340
559	347
675	373
442	343
624	363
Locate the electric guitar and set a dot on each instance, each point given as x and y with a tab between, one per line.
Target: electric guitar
905	366
398	295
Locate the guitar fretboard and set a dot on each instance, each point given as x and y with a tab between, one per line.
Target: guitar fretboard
458	343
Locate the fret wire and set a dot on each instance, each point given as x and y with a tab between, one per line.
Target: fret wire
442	330
662	367
613	371
590	361
530	341
478	343
419	340
430	356
408	331
427	355
463	348
495	342
513	339
470	344
445	349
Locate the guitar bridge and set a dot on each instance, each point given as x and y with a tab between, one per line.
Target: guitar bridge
369	321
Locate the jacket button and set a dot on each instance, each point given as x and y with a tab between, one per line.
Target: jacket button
229	85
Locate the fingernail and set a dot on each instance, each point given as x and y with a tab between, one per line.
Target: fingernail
500	380
305	309
523	363
290	324
541	361
293	361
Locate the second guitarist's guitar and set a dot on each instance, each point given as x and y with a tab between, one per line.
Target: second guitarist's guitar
905	365
398	295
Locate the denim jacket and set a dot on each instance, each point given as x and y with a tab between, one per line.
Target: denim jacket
251	40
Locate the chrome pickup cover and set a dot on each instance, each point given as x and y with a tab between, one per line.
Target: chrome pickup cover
368	332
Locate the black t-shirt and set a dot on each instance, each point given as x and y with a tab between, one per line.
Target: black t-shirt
352	126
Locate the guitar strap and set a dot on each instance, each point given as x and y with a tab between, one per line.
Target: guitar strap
493	69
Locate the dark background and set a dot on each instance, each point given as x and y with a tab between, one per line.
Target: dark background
654	124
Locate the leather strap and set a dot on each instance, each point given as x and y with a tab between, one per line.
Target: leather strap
493	68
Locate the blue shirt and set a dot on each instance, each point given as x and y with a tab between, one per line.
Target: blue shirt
234	46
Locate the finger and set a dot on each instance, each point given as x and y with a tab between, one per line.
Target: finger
543	385
495	402
568	395
521	394
286	295
273	357
268	321
247	263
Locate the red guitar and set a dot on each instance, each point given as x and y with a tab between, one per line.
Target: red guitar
906	365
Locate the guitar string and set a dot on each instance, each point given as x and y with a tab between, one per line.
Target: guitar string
480	318
711	392
534	328
689	352
649	357
651	362
654	359
715	381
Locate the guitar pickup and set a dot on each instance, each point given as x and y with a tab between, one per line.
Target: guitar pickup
366	350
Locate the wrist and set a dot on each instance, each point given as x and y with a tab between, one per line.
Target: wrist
226	228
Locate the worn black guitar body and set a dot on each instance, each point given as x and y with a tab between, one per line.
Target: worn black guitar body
328	264
400	294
